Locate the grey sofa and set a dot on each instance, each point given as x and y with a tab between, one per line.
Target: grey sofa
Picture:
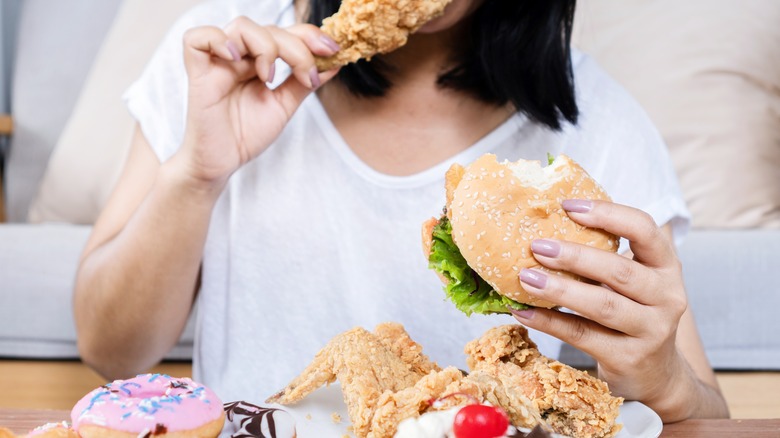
731	275
54	47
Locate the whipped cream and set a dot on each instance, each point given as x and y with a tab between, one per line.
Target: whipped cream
434	424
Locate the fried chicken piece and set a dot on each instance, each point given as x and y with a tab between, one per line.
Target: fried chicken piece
367	365
6	433
363	28
570	401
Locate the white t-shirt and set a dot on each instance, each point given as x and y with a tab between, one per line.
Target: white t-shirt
308	241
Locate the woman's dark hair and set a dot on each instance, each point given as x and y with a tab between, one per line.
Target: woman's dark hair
517	51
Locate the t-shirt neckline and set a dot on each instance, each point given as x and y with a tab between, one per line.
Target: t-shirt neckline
435	173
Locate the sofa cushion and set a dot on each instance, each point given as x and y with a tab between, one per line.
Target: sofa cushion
708	74
37	272
731	276
91	151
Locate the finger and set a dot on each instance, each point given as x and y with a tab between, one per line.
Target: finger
256	42
296	46
622	274
575	330
201	44
205	46
316	40
297	55
596	303
649	245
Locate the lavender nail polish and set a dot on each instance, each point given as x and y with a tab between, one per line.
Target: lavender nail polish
233	51
524	314
577	205
330	43
533	278
271	72
315	78
546	248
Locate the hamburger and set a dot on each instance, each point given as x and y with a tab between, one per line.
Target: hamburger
493	211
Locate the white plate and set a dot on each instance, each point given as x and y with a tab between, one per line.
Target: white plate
318	416
639	421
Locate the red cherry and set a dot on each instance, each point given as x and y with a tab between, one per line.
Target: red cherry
480	421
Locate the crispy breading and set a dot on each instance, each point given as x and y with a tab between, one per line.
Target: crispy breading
364	28
398	341
512	391
570	401
411	402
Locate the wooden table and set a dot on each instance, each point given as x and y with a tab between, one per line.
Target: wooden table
22	421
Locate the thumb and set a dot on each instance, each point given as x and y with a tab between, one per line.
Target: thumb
291	92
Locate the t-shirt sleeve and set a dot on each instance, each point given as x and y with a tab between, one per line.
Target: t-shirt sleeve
617	143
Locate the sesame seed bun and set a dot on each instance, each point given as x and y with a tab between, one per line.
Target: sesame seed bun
498	209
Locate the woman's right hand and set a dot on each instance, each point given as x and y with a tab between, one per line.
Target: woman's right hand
232	114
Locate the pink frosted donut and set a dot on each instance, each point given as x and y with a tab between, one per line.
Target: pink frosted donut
149	405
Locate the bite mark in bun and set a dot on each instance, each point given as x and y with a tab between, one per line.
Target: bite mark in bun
493	213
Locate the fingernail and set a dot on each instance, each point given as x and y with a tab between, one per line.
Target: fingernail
328	41
271	72
315	78
577	205
547	248
533	278
233	51
524	314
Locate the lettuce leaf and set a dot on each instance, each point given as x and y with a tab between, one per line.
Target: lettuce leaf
467	290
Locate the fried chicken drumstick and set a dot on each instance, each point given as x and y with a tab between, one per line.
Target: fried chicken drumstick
364	28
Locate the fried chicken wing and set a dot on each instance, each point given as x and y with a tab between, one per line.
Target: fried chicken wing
367	365
364	28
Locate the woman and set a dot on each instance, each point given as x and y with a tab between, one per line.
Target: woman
294	215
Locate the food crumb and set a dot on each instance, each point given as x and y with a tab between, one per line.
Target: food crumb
335	417
308	417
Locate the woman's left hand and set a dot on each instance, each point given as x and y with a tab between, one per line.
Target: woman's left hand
628	321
